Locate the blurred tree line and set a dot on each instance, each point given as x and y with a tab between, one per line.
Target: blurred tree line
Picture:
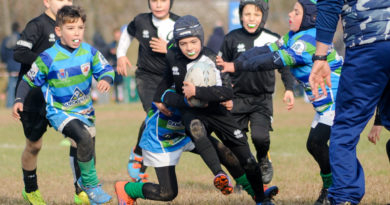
105	15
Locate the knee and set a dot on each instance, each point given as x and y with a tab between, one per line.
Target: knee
84	146
168	195
197	130
313	144
251	164
261	139
33	147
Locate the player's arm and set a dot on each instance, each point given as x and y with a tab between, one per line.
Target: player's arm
288	82
35	77
102	71
123	45
28	38
172	99
221	92
376	129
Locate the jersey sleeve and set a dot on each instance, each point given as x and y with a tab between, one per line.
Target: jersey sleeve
299	53
100	66
131	28
38	72
225	50
28	38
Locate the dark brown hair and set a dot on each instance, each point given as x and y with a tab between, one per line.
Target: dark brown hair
70	14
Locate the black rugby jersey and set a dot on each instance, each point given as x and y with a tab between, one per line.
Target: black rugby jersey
249	84
38	36
143	30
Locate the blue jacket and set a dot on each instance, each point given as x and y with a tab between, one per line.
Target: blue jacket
363	21
7	52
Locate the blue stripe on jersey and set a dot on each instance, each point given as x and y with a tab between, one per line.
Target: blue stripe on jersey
66	98
70	72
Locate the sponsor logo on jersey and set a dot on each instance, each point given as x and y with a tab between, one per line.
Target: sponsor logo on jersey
238	134
33	72
52	37
85	68
241	48
145	34
299	47
175	70
78	97
62	74
175	125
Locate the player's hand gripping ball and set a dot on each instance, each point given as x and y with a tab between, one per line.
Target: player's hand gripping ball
201	74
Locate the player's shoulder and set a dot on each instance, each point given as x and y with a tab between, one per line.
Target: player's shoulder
37	21
234	33
143	16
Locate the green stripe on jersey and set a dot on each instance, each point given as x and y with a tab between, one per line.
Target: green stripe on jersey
81	52
41	65
67	82
60	56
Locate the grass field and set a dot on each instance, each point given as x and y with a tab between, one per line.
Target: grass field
296	173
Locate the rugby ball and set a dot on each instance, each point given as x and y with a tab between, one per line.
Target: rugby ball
201	74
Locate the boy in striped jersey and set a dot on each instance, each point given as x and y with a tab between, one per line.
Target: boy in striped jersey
64	72
295	49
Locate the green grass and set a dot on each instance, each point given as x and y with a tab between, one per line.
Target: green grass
296	172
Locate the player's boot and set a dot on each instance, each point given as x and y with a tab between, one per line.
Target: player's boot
266	202
267	171
270	192
134	166
123	197
222	182
81	198
33	198
323	198
143	177
95	194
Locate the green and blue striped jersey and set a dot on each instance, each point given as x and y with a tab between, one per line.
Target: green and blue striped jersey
65	79
296	51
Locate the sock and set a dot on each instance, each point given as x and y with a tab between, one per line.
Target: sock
326	180
243	181
30	180
88	173
134	189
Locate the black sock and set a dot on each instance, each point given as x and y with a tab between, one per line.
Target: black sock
30	180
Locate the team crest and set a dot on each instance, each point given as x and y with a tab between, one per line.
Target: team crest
299	47
175	70
85	69
62	74
145	34
241	48
52	37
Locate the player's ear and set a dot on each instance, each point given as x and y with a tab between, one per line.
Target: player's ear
57	29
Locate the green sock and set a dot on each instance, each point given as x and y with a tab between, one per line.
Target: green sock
326	180
88	173
134	189
243	181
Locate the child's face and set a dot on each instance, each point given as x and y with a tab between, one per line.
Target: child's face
251	17
160	8
54	5
190	47
71	34
295	17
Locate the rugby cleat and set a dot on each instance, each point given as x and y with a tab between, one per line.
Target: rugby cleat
271	192
267	171
323	198
95	194
134	166
81	198
33	198
123	197
222	182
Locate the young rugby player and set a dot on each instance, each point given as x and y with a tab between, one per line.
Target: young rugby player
187	50
252	100
64	74
38	36
295	49
153	30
